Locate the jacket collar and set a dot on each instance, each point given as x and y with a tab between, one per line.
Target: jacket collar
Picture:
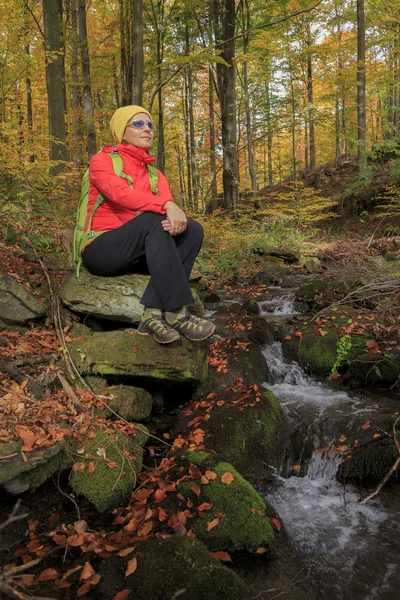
134	152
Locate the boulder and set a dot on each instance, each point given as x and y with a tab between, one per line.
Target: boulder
374	369
18	475
138	358
110	466
131	403
242	520
17	305
171	568
247	429
110	298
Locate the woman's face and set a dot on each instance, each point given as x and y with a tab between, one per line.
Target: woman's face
141	138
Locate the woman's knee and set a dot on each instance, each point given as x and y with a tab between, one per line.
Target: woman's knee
196	230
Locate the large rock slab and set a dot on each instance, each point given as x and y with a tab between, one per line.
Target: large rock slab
110	298
139	358
17	305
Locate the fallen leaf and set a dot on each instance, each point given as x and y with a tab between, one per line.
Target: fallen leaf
204	506
196	490
222	556
87	571
288	338
276	524
227	478
212	524
131	567
122	595
80	526
261	550
126	551
366	425
83	589
48	575
210	475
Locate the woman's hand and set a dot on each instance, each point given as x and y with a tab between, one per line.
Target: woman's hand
176	221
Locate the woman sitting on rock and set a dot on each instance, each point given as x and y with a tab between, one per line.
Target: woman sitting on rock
144	231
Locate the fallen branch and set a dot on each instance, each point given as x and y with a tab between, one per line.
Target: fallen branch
33	387
13	516
70	393
392	470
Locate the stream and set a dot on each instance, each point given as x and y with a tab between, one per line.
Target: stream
347	550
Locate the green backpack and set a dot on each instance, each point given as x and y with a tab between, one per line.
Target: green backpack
83	232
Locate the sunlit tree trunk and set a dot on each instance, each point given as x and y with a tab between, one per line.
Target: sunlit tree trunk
125	32
54	84
76	102
138	60
269	135
87	88
213	164
250	155
29	112
310	98
192	157
189	194
361	116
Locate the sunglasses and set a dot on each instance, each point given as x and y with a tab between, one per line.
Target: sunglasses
140	124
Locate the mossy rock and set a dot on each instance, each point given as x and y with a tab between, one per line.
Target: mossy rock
140	359
272	271
131	403
107	487
171	568
35	478
372	461
313	288
253	436
110	298
373	369
243	526
17	305
14	466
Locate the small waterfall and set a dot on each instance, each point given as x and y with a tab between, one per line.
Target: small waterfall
279	305
279	370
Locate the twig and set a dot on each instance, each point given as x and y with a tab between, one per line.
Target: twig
7	590
8	391
71	498
70	393
13	516
285	588
392	470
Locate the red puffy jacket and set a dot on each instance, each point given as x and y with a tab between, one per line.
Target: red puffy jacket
122	202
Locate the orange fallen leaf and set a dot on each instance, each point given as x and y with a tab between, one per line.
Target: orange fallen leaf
366	425
196	490
131	567
48	575
227	478
122	595
377	435
211	524
261	550
276	524
222	556
210	475
204	506
87	571
126	551
298	334
288	338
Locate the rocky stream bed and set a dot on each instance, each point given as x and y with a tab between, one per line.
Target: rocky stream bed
248	455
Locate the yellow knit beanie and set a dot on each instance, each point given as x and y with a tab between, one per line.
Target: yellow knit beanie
121	118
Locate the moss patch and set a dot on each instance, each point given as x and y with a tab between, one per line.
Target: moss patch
239	528
110	485
374	369
43	472
166	567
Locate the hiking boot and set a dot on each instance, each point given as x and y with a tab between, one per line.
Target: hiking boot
192	327
153	322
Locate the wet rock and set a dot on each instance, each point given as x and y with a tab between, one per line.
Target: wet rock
131	403
244	519
247	429
373	369
110	298
139	358
166	567
13	468
115	473
17	305
272	273
211	298
251	307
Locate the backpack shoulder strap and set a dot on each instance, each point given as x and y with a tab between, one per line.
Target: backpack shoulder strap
153	177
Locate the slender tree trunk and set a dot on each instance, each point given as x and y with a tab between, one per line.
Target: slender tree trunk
138	60
187	143
192	157
269	136
310	98
115	80
337	127
87	88
213	164
224	26
54	84
341	79
181	176
361	85
125	20
29	113
76	101
250	155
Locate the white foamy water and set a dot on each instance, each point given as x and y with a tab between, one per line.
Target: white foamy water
279	305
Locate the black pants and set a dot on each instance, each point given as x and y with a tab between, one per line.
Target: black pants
142	246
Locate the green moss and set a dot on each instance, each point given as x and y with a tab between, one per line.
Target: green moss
108	487
198	456
240	528
375	369
308	291
165	567
372	461
43	472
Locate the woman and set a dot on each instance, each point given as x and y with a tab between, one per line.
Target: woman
144	231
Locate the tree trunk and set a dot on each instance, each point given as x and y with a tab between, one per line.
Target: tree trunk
29	114
192	157
250	155
224	27
54	84
125	20
310	99
269	136
361	117
87	88
138	60
76	101
187	144
213	164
